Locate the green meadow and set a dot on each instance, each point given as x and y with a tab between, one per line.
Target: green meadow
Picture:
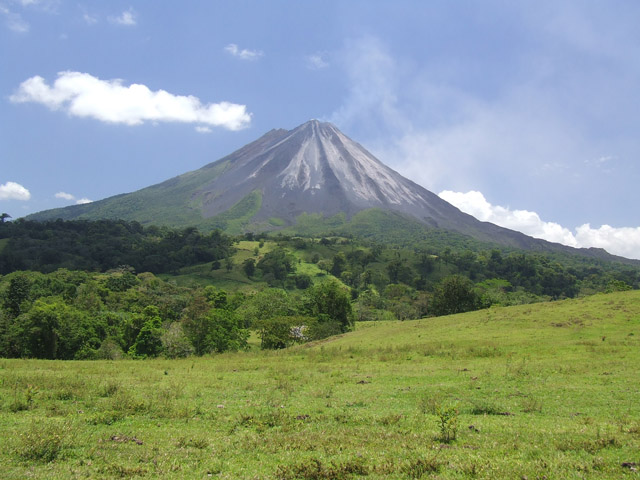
541	391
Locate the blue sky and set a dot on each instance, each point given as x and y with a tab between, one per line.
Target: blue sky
524	113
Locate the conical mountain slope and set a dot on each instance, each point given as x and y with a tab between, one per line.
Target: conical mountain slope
315	168
269	183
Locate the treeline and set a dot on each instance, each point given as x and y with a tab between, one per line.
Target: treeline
406	281
79	315
105	244
105	289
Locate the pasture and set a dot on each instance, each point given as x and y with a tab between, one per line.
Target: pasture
549	390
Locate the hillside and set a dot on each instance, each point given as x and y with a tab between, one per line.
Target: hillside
519	392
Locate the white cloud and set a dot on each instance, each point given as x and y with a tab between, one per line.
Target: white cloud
371	104
316	61
89	19
126	18
201	129
624	241
14	21
447	124
83	95
68	196
64	196
243	54
14	191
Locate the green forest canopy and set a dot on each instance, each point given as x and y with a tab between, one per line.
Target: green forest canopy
80	289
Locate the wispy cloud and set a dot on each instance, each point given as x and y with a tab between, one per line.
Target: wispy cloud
14	191
89	19
13	20
317	61
372	99
83	95
624	241
128	18
243	54
517	130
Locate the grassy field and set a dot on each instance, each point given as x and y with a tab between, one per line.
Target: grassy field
537	391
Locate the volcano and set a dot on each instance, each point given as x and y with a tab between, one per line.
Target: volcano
272	182
315	168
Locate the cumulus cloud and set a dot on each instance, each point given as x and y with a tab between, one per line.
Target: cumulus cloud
83	95
624	241
243	54
126	18
70	197
474	203
14	191
64	196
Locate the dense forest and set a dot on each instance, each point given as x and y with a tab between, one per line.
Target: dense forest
106	289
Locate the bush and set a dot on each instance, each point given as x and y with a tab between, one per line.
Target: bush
454	294
303	281
282	331
448	422
175	343
331	302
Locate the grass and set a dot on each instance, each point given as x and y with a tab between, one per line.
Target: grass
534	391
236	279
234	220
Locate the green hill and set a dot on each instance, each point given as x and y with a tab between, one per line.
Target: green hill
545	390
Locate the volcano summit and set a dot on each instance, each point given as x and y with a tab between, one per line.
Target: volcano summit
315	168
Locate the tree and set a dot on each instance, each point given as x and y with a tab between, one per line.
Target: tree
282	331
224	332
277	263
303	281
194	322
175	343
211	329
149	340
4	217
249	267
454	294
339	264
37	330
330	302
269	303
53	330
17	293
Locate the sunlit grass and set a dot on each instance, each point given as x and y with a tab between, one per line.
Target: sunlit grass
539	390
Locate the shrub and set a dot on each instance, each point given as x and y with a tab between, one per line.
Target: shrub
43	442
175	343
448	422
